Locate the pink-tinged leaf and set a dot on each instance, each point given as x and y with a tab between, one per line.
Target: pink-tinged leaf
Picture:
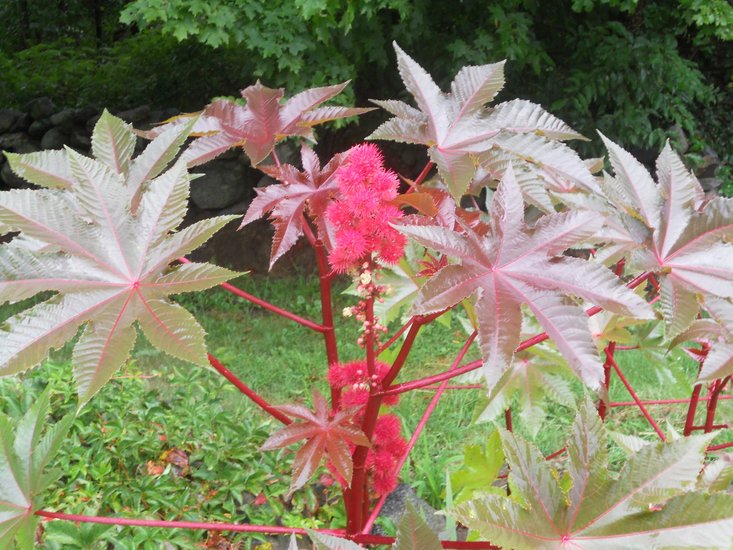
500	326
327	114
422	202
339	455
172	329
104	345
306	462
513	265
679	192
475	86
289	434
718	363
28	336
679	306
461	131
192	277
567	325
45	168
113	142
303	192
636	183
207	148
329	542
108	261
156	157
520	116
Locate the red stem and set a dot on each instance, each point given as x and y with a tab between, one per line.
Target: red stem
665	401
244	528
246	390
602	406
718	386
267	305
695	397
636	399
421	176
508	419
418	430
396	336
402	355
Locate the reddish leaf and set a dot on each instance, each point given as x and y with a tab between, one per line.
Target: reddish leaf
299	193
325	433
422	202
261	123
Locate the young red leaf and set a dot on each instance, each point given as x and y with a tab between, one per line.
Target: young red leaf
261	123
512	265
325	434
300	192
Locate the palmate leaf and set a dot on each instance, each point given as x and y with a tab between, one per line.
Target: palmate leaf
458	127
25	451
652	502
299	193
512	265
686	242
325	434
108	239
261	123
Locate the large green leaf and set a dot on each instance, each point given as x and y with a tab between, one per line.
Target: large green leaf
25	450
651	503
104	242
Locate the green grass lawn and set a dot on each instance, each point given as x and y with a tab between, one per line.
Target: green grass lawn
156	404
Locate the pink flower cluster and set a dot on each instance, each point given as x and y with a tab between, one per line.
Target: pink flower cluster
388	445
363	211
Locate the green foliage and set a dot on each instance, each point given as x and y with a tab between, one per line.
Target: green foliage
143	69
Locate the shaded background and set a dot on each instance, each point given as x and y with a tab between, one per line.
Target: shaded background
638	70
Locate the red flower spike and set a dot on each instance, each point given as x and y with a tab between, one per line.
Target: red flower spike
324	434
361	215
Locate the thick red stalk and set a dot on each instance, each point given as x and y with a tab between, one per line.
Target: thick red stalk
418	430
508	419
246	390
324	280
357	492
720	447
267	305
396	336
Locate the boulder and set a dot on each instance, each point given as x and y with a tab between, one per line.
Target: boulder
224	183
10	179
710	164
710	185
17	142
39	127
40	108
136	115
63	120
396	504
9	119
80	139
82	114
54	139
